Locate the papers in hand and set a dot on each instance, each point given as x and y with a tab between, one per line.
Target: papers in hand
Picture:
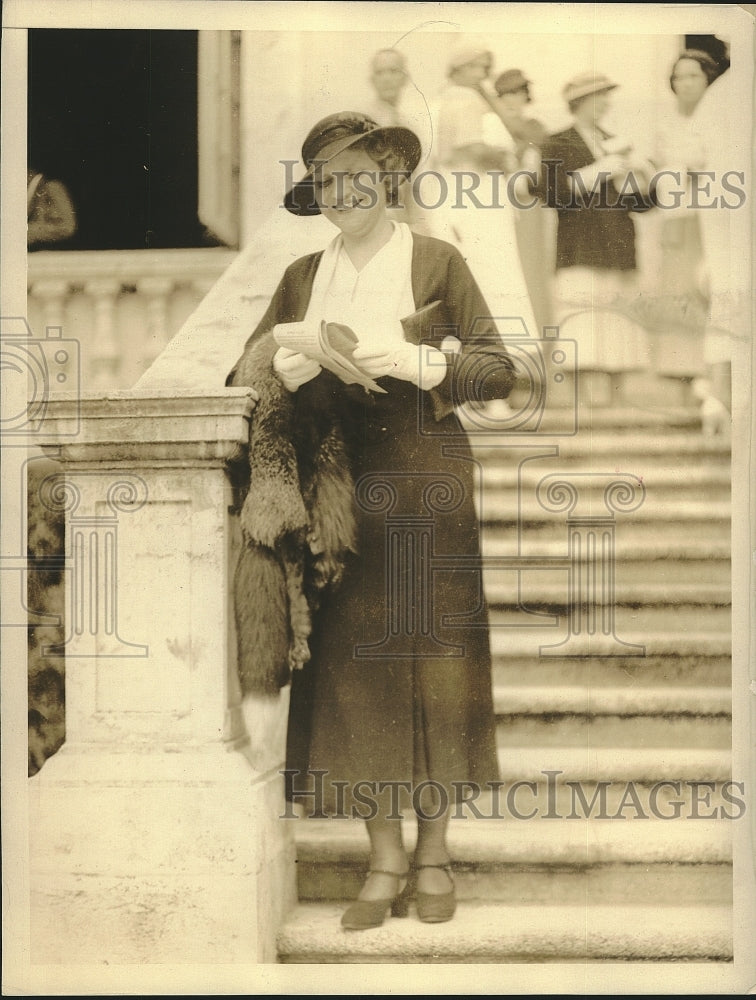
330	344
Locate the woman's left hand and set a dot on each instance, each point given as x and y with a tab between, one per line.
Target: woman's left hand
423	366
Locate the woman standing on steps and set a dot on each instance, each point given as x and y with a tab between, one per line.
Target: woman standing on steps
360	521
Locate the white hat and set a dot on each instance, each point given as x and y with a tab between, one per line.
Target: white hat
586	83
466	53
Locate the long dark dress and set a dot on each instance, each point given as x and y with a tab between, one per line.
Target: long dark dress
395	690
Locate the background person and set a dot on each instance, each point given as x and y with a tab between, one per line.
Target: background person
528	136
681	152
726	239
389	78
584	170
50	214
474	152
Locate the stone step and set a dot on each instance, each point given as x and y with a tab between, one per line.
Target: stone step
631	576
553	630
624	701
618	419
549	862
559	842
603	451
639	564
589	764
657	495
483	932
504	527
612	732
661	483
628	618
530	883
672	673
656	550
505	537
686	513
525	643
547	590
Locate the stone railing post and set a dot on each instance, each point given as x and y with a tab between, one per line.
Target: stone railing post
155	835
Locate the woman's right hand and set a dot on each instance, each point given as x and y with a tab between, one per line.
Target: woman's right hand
294	368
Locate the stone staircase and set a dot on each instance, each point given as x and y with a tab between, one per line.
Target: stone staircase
603	871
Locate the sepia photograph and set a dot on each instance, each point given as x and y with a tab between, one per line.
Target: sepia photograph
378	521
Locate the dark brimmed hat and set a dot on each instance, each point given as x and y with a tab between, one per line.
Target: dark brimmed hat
510	81
334	134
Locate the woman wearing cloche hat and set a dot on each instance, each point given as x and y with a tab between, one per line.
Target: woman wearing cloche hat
350	485
595	182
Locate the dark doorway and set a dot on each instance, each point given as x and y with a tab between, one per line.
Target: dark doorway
113	114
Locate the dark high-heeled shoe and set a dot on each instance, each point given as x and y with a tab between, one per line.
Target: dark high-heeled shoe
366	913
436	907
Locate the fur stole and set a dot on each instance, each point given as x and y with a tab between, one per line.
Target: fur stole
297	520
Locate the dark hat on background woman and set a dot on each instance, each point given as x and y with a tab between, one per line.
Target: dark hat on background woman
510	81
705	61
334	134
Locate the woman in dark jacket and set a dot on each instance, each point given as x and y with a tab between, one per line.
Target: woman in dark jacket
393	704
595	181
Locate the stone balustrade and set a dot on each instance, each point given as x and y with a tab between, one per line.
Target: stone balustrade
154	830
122	306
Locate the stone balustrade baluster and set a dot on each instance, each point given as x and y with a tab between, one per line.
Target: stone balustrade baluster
53	294
156	291
105	353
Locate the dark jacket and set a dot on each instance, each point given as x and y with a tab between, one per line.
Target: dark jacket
409	700
439	274
594	231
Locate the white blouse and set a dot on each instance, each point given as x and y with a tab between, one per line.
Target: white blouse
371	301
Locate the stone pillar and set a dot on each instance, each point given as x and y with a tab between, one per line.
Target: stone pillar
154	831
